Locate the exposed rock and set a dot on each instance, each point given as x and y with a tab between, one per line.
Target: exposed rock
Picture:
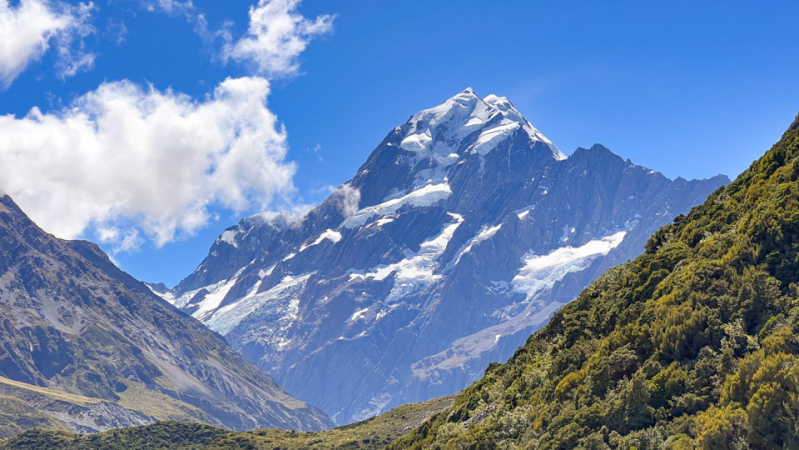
88	345
463	232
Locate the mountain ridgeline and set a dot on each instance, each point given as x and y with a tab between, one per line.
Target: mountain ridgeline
463	232
691	345
86	347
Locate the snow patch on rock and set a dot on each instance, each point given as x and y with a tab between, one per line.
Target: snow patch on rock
229	237
422	197
359	314
460	352
539	273
437	134
330	235
279	300
485	233
418	270
376	405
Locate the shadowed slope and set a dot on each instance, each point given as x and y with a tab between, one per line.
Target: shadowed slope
72	323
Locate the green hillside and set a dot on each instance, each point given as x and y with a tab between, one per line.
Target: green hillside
691	345
373	433
160	435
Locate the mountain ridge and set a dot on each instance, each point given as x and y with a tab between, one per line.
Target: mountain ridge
466	215
74	323
690	345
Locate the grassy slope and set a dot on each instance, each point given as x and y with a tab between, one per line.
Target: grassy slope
21	406
35	403
691	345
9	384
374	433
17	416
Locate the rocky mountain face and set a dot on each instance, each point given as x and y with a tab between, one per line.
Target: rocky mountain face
87	347
692	345
463	232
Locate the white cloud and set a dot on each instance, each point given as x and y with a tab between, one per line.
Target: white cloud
28	29
73	56
187	10
347	198
116	31
125	162
276	36
277	33
123	158
170	6
121	240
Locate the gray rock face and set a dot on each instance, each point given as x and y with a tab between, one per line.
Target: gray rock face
88	345
463	232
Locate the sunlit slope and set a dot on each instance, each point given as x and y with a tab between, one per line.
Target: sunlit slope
692	344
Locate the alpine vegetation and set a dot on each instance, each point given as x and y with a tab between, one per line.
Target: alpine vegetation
691	345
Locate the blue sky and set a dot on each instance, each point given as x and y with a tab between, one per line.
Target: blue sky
690	90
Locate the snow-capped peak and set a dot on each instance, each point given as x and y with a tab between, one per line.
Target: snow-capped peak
456	113
435	132
509	112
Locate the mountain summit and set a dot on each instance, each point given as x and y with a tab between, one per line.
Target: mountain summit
463	232
691	345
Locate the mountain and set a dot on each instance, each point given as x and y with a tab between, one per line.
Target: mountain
463	232
86	347
691	345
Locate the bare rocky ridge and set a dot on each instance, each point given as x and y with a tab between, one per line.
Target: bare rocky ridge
92	348
463	232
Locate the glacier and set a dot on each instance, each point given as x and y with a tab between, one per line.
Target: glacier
461	234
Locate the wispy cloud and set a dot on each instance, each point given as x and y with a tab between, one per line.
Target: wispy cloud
276	34
29	29
116	31
175	7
